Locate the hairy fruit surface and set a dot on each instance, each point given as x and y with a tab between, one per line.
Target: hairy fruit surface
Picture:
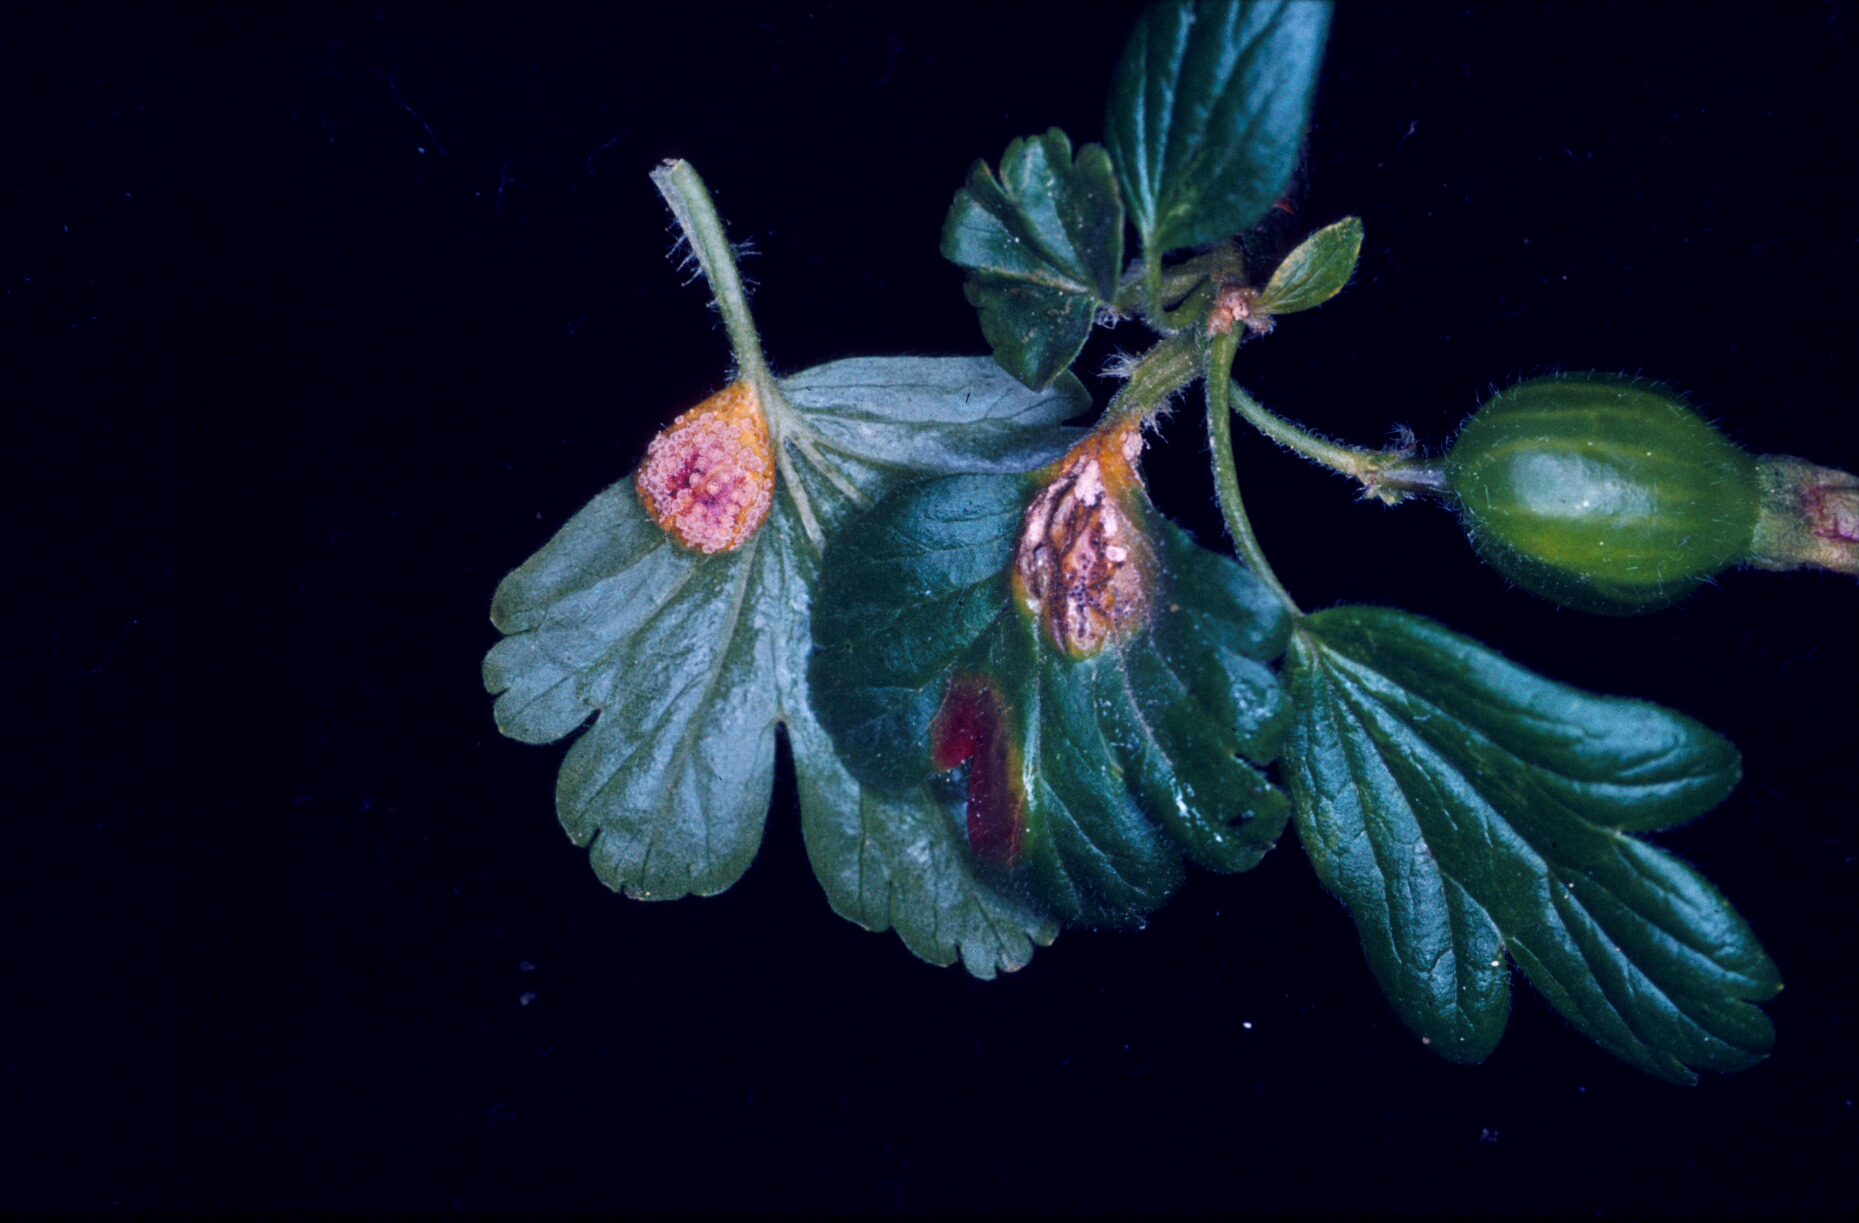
1602	493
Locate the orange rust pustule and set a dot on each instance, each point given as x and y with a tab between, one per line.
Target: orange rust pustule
1082	566
972	728
709	476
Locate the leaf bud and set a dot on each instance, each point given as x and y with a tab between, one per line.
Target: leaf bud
709	477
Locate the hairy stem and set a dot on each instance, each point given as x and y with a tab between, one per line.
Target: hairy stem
1165	369
690	203
1226	474
1152	283
1391	475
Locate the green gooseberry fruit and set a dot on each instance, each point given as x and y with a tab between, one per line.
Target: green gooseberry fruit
1601	492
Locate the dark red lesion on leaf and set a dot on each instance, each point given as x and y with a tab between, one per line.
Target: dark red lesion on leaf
972	728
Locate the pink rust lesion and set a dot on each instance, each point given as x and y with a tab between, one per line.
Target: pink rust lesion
1082	567
709	477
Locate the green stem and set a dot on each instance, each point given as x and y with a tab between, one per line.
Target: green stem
690	203
1225	472
1157	293
1168	367
1388	474
1152	283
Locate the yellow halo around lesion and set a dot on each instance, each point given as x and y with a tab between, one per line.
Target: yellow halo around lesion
709	477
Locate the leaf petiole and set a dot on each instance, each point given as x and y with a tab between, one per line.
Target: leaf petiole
690	203
1391	475
1152	282
1226	475
1174	285
1153	379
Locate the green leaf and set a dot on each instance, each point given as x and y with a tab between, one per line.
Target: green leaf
1316	270
1207	113
1462	806
1042	245
670	784
925	415
688	662
903	863
1112	766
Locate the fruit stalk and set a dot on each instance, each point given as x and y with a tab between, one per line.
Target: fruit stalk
1809	517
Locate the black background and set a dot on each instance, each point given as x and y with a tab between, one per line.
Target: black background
319	319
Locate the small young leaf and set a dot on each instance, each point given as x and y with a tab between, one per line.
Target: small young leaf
1461	806
688	662
1088	777
1316	270
1042	245
1207	112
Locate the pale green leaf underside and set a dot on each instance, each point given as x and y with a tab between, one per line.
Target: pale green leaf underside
1461	806
669	785
934	414
689	662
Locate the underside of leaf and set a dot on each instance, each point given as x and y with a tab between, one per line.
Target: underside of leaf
687	661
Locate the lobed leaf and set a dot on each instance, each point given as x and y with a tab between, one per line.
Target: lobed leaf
1462	806
1207	114
902	863
1042	245
688	662
669	786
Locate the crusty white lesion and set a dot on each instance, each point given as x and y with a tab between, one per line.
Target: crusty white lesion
1074	564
